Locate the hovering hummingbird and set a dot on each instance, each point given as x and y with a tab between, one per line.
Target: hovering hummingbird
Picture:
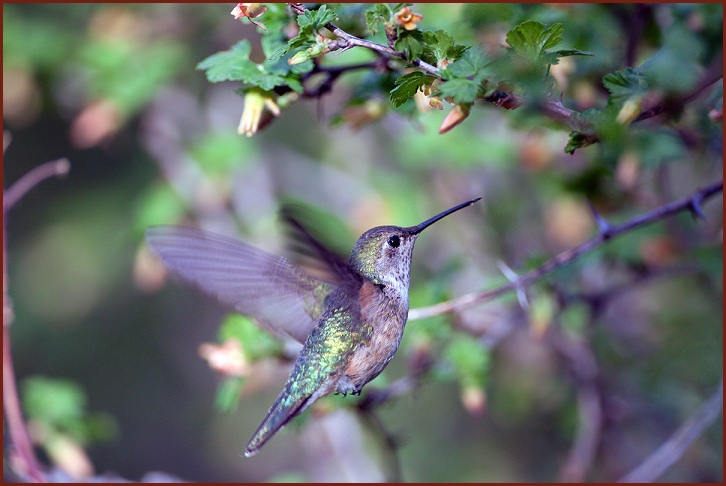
349	316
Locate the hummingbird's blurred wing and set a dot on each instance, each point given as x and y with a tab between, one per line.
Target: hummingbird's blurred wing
313	255
283	297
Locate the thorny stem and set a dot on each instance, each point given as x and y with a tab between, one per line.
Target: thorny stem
691	203
22	456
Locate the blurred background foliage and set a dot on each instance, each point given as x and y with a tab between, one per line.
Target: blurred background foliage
108	351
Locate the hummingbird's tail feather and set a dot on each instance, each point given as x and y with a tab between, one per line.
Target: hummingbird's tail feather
281	412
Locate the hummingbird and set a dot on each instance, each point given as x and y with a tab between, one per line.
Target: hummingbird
348	315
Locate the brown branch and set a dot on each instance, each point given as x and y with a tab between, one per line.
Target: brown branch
672	449
691	203
712	75
347	41
22	456
582	364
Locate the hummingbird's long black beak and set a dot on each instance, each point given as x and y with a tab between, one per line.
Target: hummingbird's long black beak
420	227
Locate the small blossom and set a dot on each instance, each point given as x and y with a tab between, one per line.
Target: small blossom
408	18
474	400
254	115
226	358
455	117
249	11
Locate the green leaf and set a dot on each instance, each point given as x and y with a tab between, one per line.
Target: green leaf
234	65
624	85
409	42
579	140
461	89
438	43
379	13
256	343
530	39
554	56
473	63
407	86
314	19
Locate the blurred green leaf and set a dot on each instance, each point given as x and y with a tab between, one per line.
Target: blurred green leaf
470	359
228	393
159	205
58	403
221	152
624	85
128	75
256	343
530	39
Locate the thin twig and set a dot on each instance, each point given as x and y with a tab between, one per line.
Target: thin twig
23	459
671	450
691	203
56	168
583	366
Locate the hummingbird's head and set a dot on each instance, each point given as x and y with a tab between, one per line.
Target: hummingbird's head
383	254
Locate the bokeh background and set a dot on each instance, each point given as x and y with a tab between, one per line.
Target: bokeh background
114	89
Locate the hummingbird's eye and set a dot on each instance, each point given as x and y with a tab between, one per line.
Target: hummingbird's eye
394	241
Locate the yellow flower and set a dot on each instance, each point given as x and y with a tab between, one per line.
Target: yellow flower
254	115
249	11
408	18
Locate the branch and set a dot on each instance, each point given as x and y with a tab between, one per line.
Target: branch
57	168
583	366
347	41
691	203
712	75
23	459
672	449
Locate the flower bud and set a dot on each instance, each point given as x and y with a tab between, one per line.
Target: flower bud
455	117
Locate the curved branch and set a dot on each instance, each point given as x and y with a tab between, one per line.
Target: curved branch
691	203
23	458
58	168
